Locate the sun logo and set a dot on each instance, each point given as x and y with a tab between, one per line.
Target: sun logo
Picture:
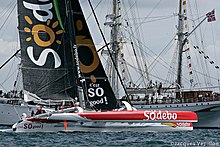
86	44
39	29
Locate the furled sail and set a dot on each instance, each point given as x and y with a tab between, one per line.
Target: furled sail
99	93
47	64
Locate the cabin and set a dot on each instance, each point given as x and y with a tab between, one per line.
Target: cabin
197	96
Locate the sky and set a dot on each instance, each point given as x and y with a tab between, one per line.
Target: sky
155	35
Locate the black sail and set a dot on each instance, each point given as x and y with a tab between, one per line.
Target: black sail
47	64
99	93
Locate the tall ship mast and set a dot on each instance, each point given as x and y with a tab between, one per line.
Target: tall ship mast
117	25
114	46
180	35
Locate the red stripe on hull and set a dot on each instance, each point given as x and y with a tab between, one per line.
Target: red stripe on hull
140	115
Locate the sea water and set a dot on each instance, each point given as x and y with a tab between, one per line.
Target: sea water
197	137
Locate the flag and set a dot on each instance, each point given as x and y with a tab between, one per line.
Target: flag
190	65
184	2
186	50
212	62
211	16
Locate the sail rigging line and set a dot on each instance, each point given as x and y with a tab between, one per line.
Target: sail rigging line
128	73
4	19
17	112
153	17
3	87
171	74
139	31
141	63
16	81
138	70
199	63
96	19
10	74
138	64
155	20
207	58
158	56
10	13
130	34
203	46
5	63
10	58
131	6
154	8
215	55
94	9
144	52
206	66
204	74
134	67
188	34
160	78
215	52
100	49
140	34
5	8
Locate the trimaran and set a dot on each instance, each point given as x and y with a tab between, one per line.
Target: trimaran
60	61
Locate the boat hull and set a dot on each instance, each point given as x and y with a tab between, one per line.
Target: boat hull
109	121
29	126
207	112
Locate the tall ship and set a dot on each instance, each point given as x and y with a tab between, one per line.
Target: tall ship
150	91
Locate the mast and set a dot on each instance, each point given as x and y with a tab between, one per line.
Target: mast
182	39
180	35
73	49
72	43
115	51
